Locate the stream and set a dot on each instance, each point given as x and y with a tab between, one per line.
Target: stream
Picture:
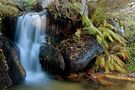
63	85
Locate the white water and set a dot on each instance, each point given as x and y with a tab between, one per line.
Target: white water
30	33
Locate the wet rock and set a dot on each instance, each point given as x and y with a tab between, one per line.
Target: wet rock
77	55
61	29
5	80
8	27
51	59
12	71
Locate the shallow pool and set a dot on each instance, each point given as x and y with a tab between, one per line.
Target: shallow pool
64	85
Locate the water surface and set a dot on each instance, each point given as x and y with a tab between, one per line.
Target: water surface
64	85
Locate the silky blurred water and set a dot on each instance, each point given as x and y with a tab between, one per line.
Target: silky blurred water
30	34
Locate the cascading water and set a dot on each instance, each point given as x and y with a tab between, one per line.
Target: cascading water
30	33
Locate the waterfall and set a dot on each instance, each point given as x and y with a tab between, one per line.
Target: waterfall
30	33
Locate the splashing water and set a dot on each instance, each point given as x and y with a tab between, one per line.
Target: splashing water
30	33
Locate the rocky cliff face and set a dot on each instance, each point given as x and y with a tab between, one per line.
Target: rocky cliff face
11	71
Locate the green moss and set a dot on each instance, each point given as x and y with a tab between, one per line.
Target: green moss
7	9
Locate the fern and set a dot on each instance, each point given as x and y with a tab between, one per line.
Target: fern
114	55
29	4
99	15
110	62
65	10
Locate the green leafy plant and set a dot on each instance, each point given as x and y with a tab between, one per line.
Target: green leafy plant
65	10
29	4
99	14
113	56
115	53
113	60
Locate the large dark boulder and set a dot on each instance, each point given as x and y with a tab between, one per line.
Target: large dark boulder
11	70
51	59
77	55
